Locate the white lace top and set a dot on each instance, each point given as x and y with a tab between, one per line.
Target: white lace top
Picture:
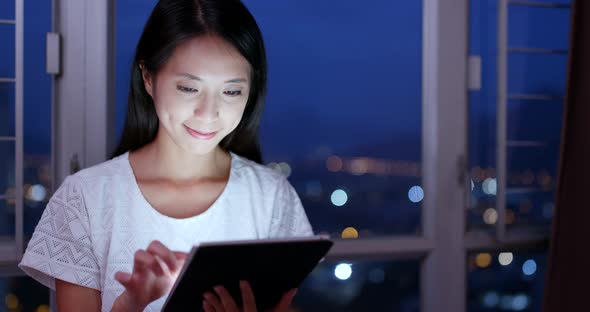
98	218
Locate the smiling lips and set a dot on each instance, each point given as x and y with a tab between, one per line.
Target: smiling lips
200	135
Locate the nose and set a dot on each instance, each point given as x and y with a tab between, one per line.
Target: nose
207	108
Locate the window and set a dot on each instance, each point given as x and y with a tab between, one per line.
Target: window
32	133
514	140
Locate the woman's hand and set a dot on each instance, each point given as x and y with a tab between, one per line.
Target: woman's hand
223	302
154	272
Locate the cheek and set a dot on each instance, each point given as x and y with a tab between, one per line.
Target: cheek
235	115
171	110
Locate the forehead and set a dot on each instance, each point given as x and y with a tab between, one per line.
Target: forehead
208	56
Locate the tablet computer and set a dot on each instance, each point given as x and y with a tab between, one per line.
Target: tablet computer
271	266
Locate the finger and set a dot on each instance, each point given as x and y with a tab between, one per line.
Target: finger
226	299
159	267
285	302
124	278
158	249
140	260
213	301
145	261
181	256
248	301
207	307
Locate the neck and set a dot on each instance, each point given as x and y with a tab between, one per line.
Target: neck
169	161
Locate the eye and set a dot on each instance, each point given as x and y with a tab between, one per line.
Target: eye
233	92
186	89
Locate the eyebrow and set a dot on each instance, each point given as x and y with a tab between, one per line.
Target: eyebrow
193	77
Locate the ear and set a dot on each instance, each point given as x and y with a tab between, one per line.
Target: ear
147	79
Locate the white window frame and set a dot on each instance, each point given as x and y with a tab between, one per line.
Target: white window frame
83	116
10	250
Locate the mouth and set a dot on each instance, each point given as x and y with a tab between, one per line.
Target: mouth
200	135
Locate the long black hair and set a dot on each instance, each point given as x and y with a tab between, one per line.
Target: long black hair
173	22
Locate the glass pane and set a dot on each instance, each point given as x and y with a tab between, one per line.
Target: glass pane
361	286
7	56
7	171
7	217
525	23
7	9
534	124
534	130
7	99
37	114
506	281
537	74
7	188
355	161
23	294
131	16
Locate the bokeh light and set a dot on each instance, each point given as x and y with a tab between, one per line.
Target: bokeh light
343	271
339	198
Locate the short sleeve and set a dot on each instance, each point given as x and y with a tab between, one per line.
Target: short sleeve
60	246
288	218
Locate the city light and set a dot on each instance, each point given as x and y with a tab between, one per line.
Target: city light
334	163
343	271
520	302
529	267
483	260
505	258
491	299
367	165
489	186
11	194
350	232
11	301
43	308
359	166
36	193
285	169
416	194
339	198
490	216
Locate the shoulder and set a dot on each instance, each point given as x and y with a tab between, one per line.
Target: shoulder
107	170
98	180
255	173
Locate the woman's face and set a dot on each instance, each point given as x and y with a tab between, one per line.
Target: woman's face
200	93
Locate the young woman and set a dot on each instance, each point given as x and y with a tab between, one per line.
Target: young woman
114	236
